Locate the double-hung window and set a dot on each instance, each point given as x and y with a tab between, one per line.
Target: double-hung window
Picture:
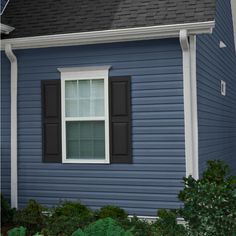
85	115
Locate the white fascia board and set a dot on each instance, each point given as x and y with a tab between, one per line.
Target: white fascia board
109	36
6	29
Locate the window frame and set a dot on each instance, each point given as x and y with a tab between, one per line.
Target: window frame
85	73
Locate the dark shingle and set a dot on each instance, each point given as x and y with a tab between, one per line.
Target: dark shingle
45	17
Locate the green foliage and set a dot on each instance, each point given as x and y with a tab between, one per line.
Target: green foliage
71	209
31	217
18	231
112	212
6	212
138	227
78	232
210	203
68	217
106	226
166	224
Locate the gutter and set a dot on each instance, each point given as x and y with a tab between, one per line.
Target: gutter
6	29
110	36
188	45
14	188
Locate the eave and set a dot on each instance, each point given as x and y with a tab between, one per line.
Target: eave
110	36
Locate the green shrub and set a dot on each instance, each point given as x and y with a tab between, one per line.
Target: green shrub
72	209
210	202
31	217
112	212
6	212
138	227
18	231
106	226
166	224
68	217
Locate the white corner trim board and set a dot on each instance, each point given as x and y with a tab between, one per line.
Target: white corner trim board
109	36
13	60
190	103
193	70
233	10
6	29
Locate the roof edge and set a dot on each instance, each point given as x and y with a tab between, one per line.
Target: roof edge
6	29
5	6
109	36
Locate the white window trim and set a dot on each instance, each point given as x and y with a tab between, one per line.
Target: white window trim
85	73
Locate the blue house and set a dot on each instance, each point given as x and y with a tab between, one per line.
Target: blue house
114	102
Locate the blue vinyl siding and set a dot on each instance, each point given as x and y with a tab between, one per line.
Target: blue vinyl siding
155	177
5	126
217	114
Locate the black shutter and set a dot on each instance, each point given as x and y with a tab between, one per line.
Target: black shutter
120	120
51	120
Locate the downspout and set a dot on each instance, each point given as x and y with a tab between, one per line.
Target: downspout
14	188
190	103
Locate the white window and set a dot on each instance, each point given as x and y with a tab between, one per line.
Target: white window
85	114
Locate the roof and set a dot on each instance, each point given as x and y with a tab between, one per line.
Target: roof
48	17
3	4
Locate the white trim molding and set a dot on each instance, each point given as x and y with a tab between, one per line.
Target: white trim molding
6	29
14	181
110	36
85	73
188	45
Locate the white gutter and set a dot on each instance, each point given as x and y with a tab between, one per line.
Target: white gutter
190	103
6	29
13	60
109	36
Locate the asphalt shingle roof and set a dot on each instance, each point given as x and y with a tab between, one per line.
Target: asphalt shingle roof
45	17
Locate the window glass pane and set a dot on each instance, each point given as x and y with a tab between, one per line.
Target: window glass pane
71	89
84	98
98	107
71	107
85	140
84	88
84	108
97	88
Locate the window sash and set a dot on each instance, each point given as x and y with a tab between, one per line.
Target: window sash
69	74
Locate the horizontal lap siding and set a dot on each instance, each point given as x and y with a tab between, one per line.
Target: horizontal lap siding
154	179
5	126
217	114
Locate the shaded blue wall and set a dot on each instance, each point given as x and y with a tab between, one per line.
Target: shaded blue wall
155	177
217	114
5	126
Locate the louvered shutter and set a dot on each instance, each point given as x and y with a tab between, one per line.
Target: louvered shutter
120	120
51	121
